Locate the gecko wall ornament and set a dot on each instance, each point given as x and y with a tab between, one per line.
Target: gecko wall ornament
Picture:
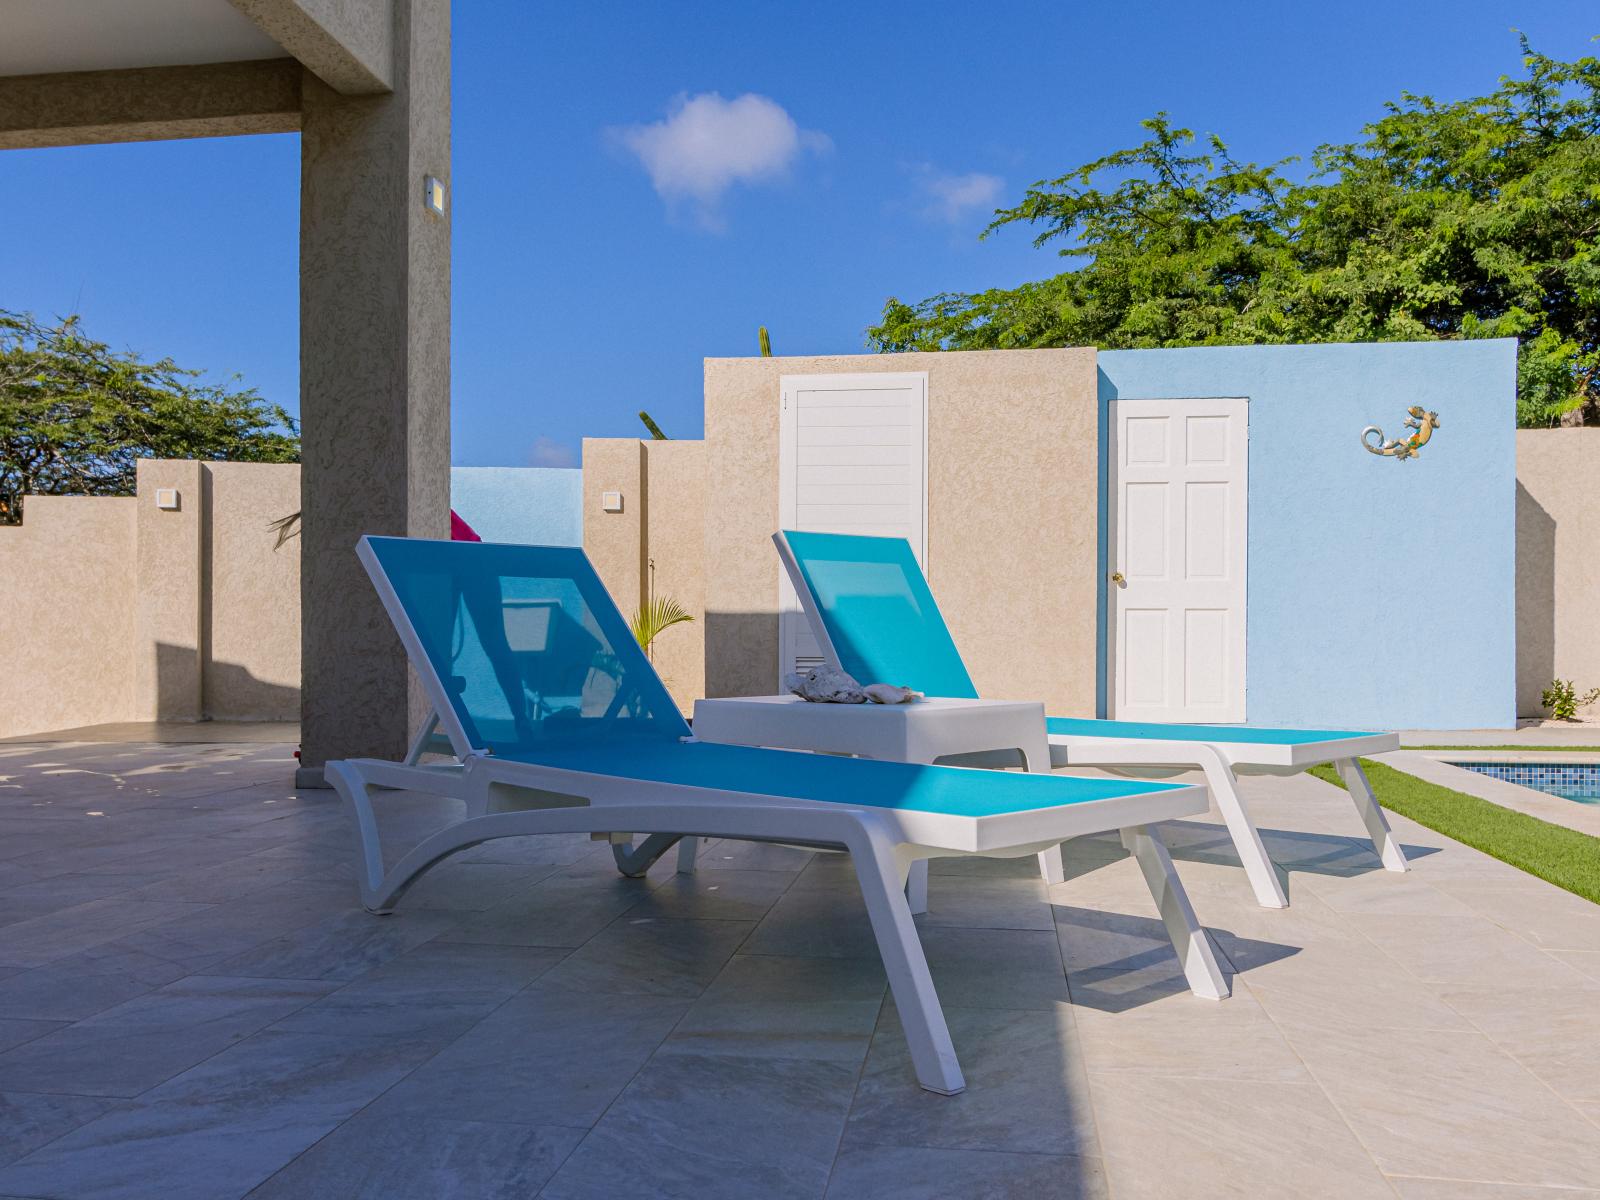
1419	420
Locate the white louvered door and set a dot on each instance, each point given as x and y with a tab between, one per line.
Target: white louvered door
852	458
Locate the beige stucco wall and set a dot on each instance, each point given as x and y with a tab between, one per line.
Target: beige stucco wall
67	614
615	541
1012	515
675	545
662	522
113	609
169	557
1558	561
252	601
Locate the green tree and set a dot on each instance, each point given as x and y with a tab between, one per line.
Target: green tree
76	416
1464	219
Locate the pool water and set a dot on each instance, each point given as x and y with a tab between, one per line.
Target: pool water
1570	781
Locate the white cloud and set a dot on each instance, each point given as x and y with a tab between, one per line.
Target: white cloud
547	452
952	198
706	144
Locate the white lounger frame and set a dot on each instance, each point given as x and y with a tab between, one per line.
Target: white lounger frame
1222	763
504	798
512	799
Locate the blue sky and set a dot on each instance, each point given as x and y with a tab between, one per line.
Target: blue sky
638	186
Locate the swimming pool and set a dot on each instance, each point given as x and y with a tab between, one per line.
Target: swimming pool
1570	781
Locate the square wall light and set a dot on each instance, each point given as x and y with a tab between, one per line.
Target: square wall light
433	194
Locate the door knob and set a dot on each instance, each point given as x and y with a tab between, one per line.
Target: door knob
1117	578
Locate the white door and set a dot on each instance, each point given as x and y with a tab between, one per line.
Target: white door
1177	559
852	458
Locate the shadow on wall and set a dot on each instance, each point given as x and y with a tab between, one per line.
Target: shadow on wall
1536	602
234	693
741	653
187	690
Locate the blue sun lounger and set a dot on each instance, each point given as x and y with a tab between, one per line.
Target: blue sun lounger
874	615
558	724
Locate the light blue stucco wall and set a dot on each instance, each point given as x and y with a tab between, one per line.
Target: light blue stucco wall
531	506
1380	594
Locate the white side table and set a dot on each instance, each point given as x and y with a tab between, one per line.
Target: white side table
919	732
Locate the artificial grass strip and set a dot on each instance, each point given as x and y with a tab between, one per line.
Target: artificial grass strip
1554	853
1524	748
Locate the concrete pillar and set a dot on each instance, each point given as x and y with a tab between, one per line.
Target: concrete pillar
374	377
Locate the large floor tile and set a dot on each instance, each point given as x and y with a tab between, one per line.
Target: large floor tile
545	1057
238	1006
1109	939
649	956
436	992
995	968
1586	962
1460	1189
825	921
1184	1035
1542	914
15	1032
434	1158
558	911
216	1131
1450	1105
44	939
29	1121
1553	1032
1356	988
1464	951
714	896
1026	1090
72	988
471	886
864	1171
768	1007
129	1049
700	1127
1203	1138
342	947
977	902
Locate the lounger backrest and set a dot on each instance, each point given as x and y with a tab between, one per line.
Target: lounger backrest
518	646
871	608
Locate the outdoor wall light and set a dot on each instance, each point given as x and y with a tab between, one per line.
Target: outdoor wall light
433	194
610	501
167	498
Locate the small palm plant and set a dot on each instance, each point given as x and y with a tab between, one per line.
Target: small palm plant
658	614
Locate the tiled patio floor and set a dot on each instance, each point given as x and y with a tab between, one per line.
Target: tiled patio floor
192	1004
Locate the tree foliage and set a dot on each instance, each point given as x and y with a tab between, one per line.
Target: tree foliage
1474	218
76	416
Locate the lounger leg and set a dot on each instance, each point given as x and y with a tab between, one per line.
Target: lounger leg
1037	760
635	862
1258	867
419	744
932	1052
687	849
357	796
917	886
1189	938
1383	839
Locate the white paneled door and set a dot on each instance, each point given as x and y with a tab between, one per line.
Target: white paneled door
1176	556
852	458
